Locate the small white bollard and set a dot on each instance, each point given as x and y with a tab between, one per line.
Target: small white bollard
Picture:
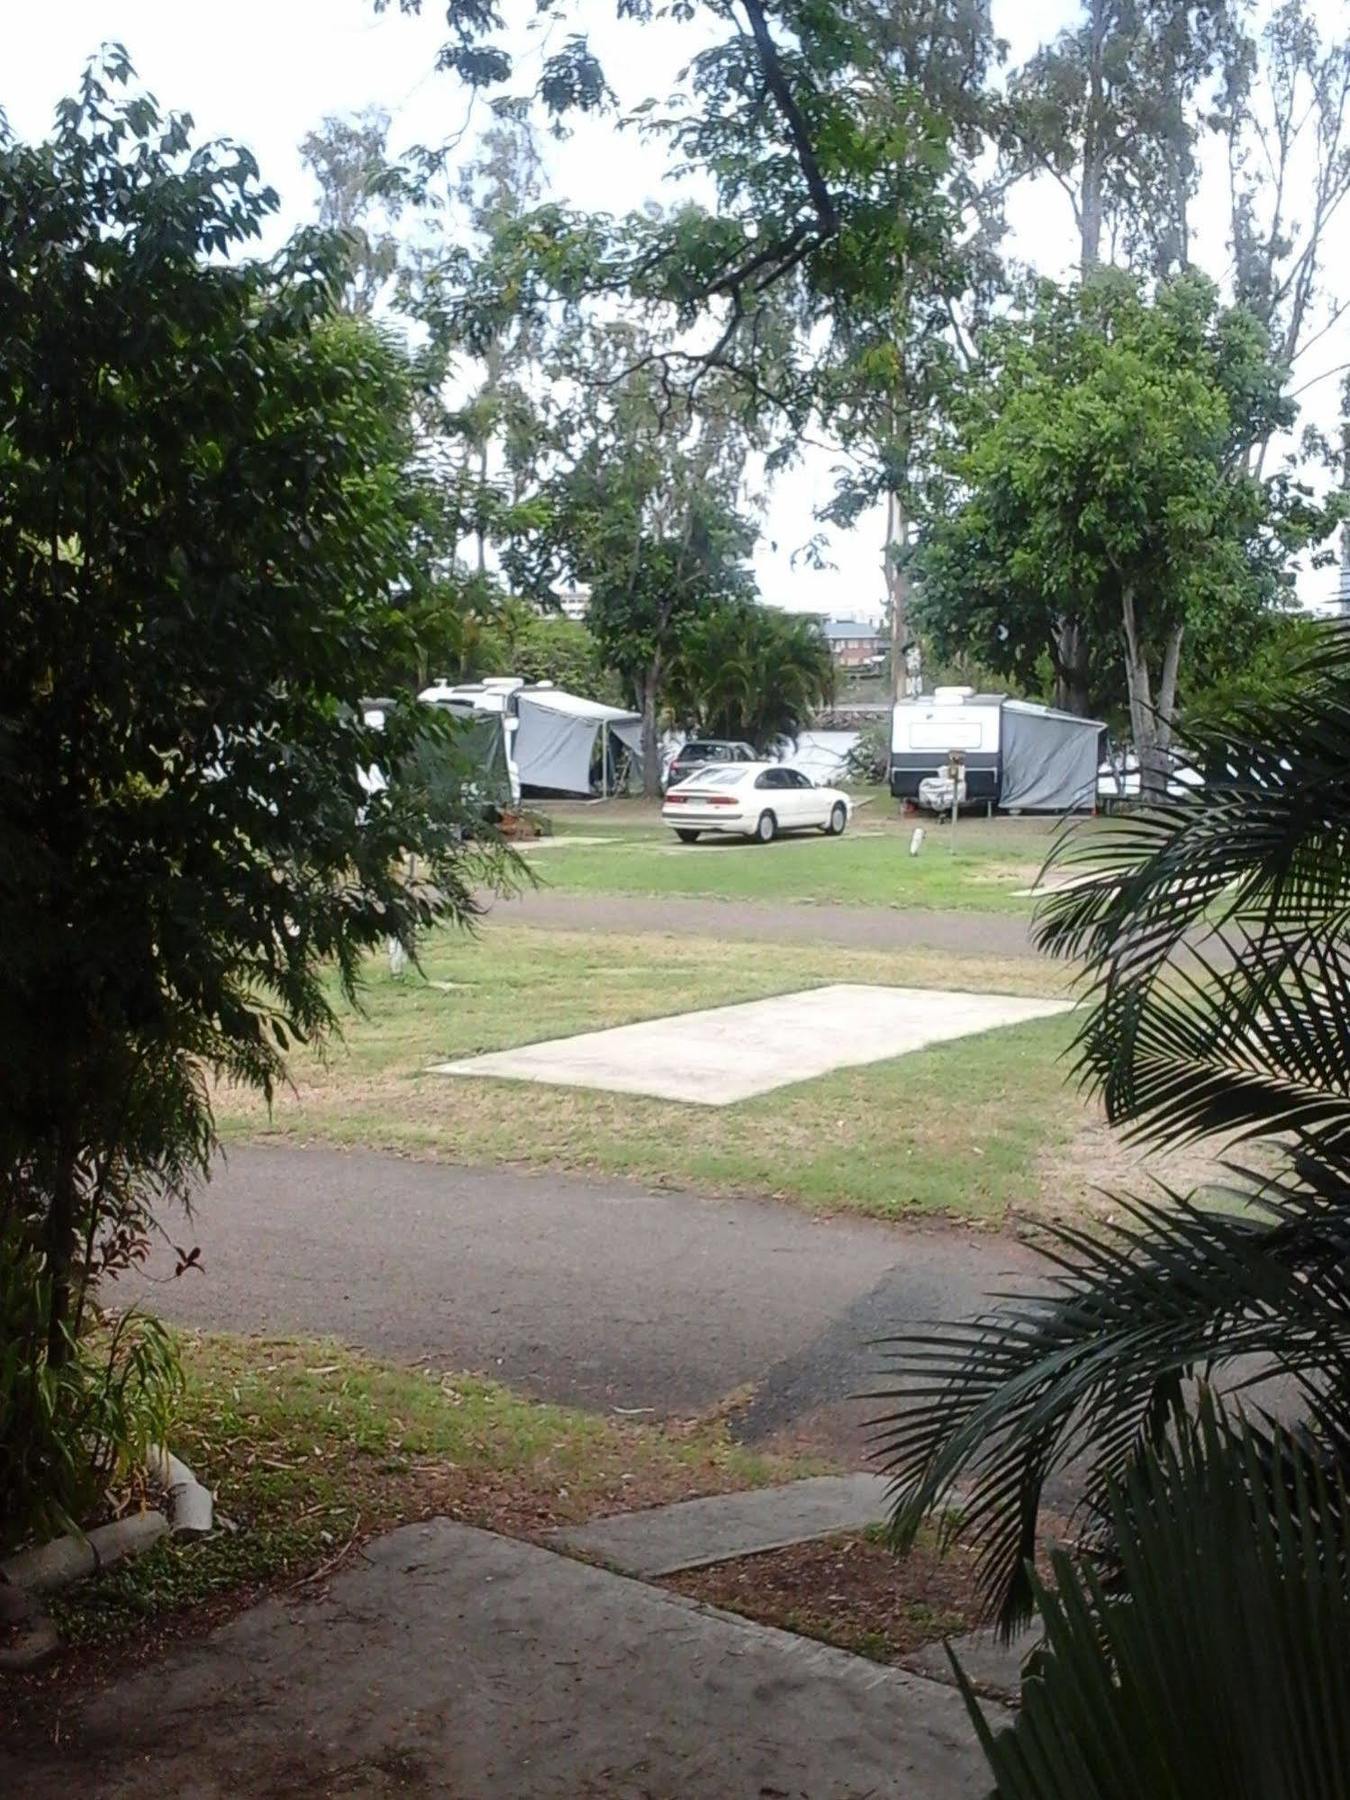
916	840
398	958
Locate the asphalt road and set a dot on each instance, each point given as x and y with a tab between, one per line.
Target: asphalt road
589	1291
773	922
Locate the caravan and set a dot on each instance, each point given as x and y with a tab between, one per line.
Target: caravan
1014	754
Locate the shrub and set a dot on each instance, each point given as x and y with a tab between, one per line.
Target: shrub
213	524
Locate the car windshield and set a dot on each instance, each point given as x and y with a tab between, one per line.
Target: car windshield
719	777
712	752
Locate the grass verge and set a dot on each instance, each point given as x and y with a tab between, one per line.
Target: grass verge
311	1448
984	868
954	1130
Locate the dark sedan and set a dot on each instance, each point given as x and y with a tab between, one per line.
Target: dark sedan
698	753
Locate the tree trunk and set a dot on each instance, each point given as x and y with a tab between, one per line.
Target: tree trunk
480	534
1094	148
60	1249
1072	687
1150	722
651	739
899	589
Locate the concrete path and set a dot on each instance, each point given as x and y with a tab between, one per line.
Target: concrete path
990	1666
718	1055
591	1291
450	1662
690	1534
775	922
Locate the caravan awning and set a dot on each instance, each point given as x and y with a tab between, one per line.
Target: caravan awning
1049	759
555	742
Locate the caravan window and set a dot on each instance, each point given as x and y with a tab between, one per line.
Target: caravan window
949	729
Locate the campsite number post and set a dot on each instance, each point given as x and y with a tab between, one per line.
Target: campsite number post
956	764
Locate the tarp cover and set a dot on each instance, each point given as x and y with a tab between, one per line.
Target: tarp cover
1049	759
555	742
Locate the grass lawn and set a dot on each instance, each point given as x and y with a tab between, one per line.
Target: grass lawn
981	869
310	1449
956	1129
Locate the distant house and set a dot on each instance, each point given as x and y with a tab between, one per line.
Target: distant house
573	603
852	642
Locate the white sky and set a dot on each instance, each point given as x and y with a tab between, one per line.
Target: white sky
266	71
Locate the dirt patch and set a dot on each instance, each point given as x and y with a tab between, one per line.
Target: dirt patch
1095	1164
850	1591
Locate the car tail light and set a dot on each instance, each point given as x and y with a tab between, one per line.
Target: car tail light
676	799
720	800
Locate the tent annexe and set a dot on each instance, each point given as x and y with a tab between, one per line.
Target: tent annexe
555	738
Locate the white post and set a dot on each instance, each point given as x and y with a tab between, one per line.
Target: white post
604	759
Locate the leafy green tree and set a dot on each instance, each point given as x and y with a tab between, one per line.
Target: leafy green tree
885	373
520	640
819	186
658	545
643	506
1104	513
751	673
211	512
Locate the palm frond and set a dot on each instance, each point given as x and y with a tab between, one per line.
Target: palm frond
1266	842
1093	1369
1247	1036
1221	1664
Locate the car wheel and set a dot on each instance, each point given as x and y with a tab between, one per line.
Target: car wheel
767	829
838	820
686	837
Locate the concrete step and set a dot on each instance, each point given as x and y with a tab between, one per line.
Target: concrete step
693	1533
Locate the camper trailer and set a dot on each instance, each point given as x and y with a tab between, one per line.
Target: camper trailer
1014	754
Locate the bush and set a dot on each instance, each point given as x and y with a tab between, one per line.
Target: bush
869	760
73	1428
214	523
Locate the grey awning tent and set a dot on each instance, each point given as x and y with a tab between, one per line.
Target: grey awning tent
555	742
1049	759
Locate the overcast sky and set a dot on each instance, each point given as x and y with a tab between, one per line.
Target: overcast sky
267	71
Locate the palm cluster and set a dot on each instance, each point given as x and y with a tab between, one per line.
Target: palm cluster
749	672
1202	1342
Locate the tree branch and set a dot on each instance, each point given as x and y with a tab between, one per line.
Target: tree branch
827	214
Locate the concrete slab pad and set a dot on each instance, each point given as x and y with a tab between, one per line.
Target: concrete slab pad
451	1662
723	1054
692	1533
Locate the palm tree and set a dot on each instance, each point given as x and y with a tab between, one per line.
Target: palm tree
1212	928
752	673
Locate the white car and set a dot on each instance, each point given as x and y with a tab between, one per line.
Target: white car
754	800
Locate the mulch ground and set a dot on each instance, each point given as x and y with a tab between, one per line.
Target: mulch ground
850	1591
